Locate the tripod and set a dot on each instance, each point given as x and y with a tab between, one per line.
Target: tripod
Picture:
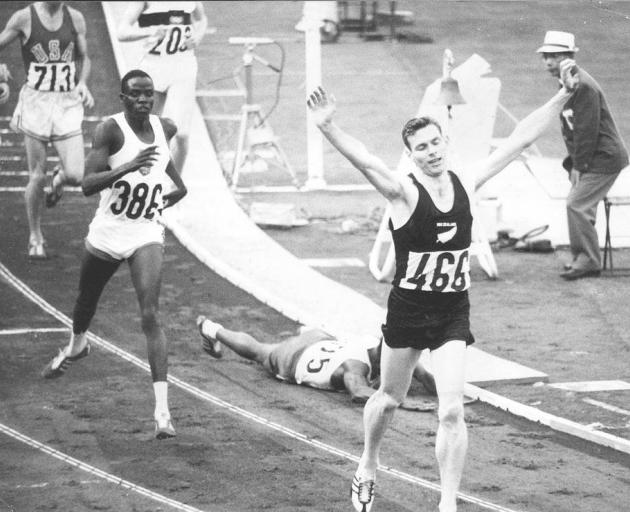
255	137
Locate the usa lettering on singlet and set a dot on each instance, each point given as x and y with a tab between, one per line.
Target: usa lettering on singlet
50	56
433	247
135	197
176	17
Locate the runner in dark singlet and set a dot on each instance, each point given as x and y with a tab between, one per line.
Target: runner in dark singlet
428	305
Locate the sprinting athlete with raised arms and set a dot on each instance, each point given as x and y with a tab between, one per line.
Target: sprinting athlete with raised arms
428	305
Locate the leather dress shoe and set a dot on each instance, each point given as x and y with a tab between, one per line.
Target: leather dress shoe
578	273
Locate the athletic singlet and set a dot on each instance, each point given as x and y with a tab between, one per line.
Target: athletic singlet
135	197
432	248
320	360
50	56
176	17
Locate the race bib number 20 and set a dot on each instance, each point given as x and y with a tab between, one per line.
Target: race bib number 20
438	271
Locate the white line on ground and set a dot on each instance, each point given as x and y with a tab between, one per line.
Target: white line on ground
28	330
21	189
592	385
291	189
204	395
83	466
606	406
333	262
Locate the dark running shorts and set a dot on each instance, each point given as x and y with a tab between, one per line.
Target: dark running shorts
426	319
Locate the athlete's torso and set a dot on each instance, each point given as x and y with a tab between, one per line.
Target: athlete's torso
176	17
50	56
432	247
135	198
320	360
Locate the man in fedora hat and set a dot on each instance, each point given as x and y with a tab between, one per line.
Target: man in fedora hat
596	155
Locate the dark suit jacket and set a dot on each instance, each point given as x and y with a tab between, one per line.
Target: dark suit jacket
590	132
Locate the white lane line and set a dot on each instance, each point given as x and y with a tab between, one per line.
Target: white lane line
606	406
333	262
30	294
22	189
89	119
12	332
83	466
592	385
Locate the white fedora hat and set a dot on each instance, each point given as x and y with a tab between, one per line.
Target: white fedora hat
558	42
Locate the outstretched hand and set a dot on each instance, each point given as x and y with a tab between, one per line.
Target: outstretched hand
322	106
568	75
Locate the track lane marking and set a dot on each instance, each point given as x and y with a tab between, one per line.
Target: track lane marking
84	466
204	395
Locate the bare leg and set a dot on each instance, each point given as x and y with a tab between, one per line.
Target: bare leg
146	274
449	363
245	345
396	370
34	193
72	158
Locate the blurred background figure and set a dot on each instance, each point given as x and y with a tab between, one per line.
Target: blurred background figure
596	155
172	31
50	105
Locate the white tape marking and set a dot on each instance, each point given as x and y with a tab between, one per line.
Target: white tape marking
199	393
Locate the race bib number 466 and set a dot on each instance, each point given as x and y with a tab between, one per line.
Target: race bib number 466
438	271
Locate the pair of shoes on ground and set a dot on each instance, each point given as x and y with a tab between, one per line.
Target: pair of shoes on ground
362	494
571	274
59	364
164	427
53	197
210	345
37	250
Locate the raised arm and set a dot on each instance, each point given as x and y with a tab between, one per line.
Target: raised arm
528	129
107	141
322	106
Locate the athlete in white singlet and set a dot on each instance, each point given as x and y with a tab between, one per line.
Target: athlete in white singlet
170	32
128	164
128	212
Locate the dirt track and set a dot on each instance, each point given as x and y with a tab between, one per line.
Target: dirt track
221	461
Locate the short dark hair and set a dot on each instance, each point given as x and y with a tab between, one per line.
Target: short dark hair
134	73
417	123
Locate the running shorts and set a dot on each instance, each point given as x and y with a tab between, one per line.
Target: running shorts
48	116
120	239
424	320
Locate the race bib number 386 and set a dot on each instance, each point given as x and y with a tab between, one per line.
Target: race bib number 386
438	271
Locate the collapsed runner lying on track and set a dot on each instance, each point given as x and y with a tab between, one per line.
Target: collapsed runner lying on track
312	358
428	306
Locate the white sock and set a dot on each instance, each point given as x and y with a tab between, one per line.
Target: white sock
160	389
77	344
211	328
